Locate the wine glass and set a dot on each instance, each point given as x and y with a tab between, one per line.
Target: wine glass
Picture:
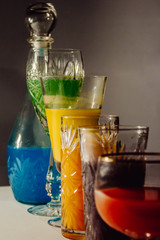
127	193
72	215
95	141
56	68
52	64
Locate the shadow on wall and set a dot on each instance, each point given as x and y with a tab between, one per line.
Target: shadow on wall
12	91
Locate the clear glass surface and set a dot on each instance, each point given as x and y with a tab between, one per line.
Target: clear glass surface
127	193
95	141
40	19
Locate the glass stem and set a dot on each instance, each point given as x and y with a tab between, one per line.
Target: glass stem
53	186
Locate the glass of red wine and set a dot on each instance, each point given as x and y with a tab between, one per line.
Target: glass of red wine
127	193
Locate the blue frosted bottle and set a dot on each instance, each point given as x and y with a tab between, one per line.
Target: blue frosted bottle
28	154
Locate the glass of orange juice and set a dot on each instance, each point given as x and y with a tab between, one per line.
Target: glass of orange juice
72	215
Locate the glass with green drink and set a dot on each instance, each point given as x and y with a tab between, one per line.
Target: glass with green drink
65	73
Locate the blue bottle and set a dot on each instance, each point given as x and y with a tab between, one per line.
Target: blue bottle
28	154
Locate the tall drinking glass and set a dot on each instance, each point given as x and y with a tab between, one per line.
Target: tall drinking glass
72	217
127	193
62	72
95	141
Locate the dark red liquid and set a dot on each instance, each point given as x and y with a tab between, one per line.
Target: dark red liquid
134	212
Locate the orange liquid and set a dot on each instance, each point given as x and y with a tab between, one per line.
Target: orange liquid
71	194
54	125
71	179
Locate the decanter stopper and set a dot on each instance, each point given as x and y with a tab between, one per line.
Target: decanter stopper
41	20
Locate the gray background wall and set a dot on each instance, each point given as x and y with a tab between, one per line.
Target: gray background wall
120	38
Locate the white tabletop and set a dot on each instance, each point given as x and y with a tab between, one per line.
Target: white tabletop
17	224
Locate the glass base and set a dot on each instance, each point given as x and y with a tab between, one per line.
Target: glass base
56	222
48	210
71	234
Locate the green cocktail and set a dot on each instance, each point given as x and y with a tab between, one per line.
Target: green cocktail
69	88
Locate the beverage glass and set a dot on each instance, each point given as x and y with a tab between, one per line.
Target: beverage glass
53	76
95	141
127	193
73	97
72	215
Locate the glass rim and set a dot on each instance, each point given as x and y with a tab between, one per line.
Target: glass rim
65	50
119	127
95	76
109	116
152	157
103	77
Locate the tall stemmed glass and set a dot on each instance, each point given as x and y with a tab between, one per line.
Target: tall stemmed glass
127	193
61	81
61	72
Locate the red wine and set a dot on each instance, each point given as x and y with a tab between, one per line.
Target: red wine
132	211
